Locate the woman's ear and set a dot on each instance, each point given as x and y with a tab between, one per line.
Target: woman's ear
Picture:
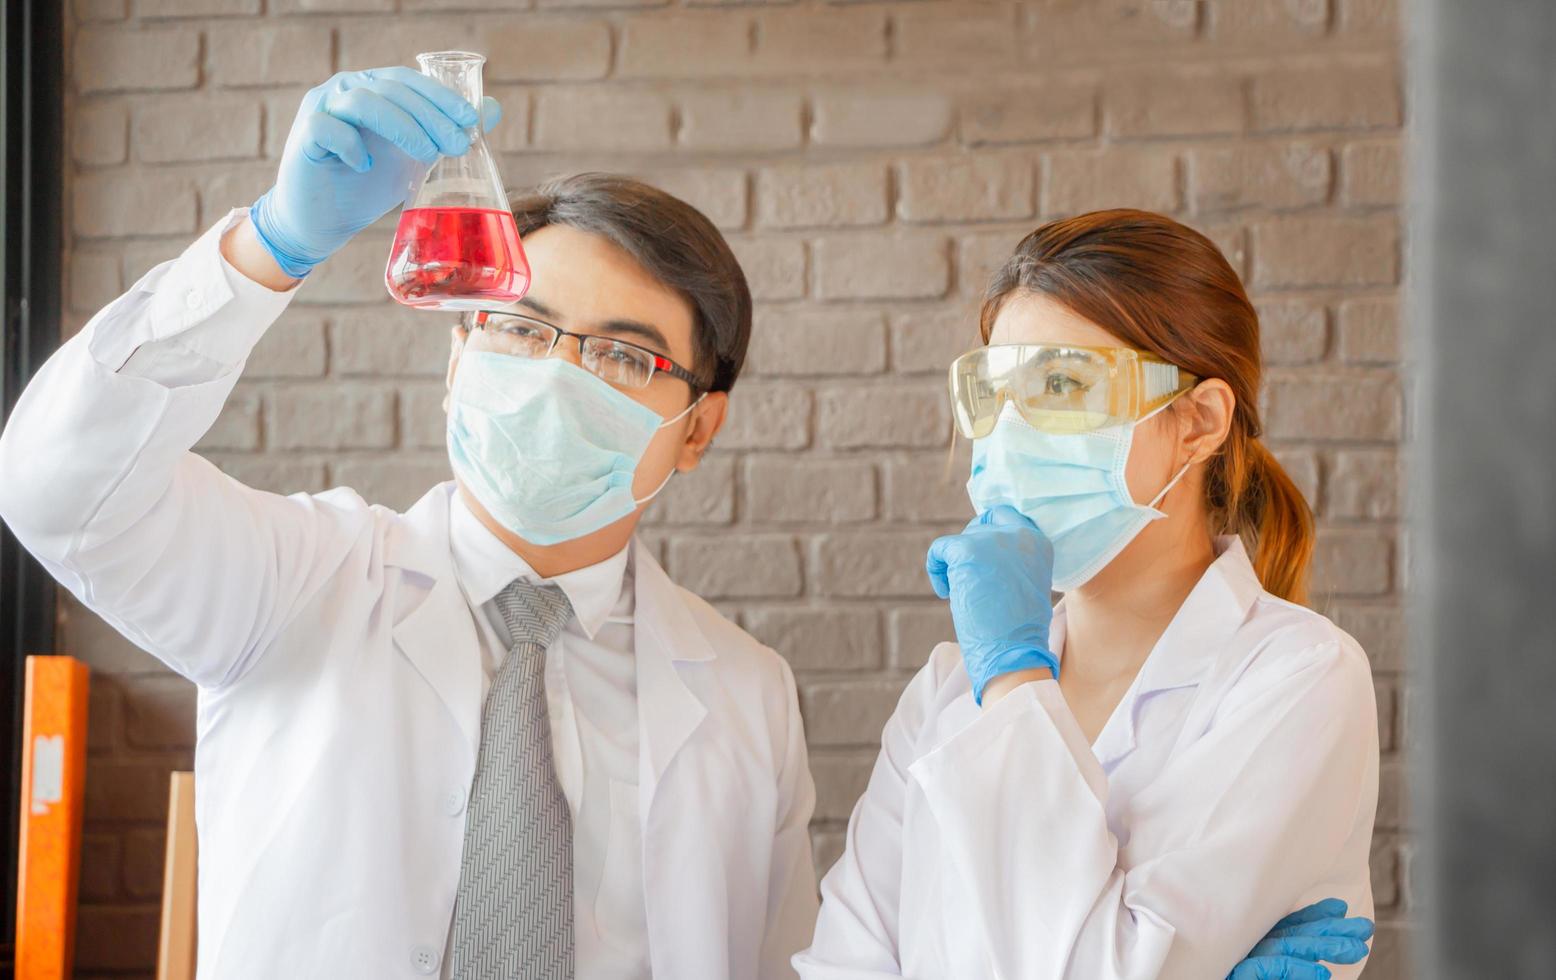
706	421
457	337
1205	419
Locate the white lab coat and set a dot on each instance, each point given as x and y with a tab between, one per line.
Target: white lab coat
1236	782
340	683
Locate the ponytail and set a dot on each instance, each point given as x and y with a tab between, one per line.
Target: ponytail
1251	495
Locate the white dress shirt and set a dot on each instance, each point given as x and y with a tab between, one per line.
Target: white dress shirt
591	695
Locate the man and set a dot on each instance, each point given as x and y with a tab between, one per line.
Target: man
487	737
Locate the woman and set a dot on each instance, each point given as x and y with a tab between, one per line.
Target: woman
1137	782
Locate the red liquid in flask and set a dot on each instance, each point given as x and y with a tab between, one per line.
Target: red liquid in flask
457	259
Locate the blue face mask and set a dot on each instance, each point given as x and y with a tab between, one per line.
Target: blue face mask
1070	485
548	449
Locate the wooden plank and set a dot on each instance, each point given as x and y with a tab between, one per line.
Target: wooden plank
53	780
176	948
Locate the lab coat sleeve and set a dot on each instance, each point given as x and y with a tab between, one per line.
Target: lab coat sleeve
1228	839
791	899
857	930
97	480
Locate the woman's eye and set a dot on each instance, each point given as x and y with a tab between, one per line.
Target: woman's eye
619	355
1062	384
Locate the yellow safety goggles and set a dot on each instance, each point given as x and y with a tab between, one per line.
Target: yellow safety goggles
1061	389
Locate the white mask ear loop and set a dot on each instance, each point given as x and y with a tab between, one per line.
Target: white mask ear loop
667	422
1177	476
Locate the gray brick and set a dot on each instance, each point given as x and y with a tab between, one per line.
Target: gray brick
695	44
1327	98
390	341
706	495
1293	331
1266	21
195	8
90	10
802	41
978	257
744	120
330	416
237	427
1353	562
548	50
1174	103
840	782
804	342
113	205
1087	181
967	188
1273	175
94	280
423	421
601	119
774	267
112	60
853	117
1372	174
767	416
928	341
1325	250
278	54
878	563
99	133
926	487
196	128
788	490
1379	628
819	195
293	347
338	7
755	566
274	473
848	712
1369	330
956	35
817	639
1303	468
722	194
1363	484
1030	114
1349	407
881	266
909	415
160	713
914	630
355	274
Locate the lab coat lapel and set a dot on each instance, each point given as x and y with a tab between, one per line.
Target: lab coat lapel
438	635
1188	649
666	636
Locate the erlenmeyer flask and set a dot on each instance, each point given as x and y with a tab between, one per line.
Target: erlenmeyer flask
457	247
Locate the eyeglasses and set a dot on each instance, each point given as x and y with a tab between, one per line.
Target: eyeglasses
1061	389
608	359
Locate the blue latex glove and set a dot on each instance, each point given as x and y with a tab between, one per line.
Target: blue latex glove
358	144
998	574
1293	949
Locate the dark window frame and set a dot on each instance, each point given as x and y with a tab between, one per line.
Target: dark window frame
32	120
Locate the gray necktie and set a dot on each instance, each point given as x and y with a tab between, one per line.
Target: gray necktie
513	917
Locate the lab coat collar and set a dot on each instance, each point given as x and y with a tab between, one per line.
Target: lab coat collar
667	637
485	567
1190	646
438	636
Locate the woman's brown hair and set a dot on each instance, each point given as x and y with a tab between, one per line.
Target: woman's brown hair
1163	287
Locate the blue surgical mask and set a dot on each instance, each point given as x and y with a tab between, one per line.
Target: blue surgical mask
547	448
1070	485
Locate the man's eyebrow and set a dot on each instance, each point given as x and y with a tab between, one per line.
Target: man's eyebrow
536	306
636	328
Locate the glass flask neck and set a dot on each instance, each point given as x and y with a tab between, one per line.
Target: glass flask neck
459	70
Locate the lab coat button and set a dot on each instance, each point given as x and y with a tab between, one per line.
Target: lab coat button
192	299
424	959
454	802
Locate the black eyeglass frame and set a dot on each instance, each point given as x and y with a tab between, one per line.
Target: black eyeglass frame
660	363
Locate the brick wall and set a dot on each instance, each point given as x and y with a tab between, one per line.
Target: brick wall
871	162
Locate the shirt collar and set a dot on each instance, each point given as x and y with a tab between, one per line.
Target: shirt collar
485	566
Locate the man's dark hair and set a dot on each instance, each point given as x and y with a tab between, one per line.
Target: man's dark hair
674	241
